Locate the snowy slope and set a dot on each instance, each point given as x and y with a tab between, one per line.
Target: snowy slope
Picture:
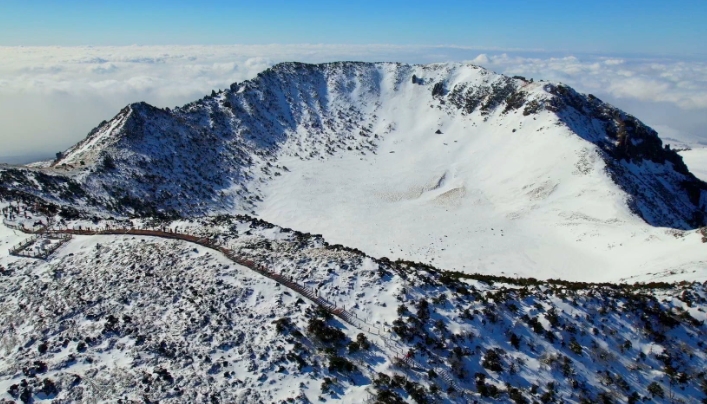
524	178
149	319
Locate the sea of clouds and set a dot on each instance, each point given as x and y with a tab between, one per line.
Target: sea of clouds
51	97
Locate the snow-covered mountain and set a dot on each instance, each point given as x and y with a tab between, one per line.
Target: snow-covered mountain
363	233
314	110
447	164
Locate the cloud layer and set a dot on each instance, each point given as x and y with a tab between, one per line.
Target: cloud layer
681	83
50	97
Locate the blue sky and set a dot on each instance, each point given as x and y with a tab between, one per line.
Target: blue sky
647	57
616	27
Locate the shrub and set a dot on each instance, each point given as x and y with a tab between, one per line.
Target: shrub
282	324
324	332
108	163
297	357
389	397
416	392
516	395
655	390
49	388
515	341
381	380
42	348
326	385
552	317
492	361
423	310
402	310
363	341
441	326
354	347
400	328
535	324
323	313
480	380
575	347
339	364
567	370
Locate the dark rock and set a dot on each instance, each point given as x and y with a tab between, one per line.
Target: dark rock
438	89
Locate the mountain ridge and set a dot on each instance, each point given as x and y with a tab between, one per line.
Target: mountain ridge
626	137
451	144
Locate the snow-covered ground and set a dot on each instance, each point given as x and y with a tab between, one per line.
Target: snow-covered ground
448	165
171	302
145	318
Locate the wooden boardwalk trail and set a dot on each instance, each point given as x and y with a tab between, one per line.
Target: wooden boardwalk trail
343	314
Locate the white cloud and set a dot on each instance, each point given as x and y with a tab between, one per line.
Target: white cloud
482	60
50	97
676	82
665	93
